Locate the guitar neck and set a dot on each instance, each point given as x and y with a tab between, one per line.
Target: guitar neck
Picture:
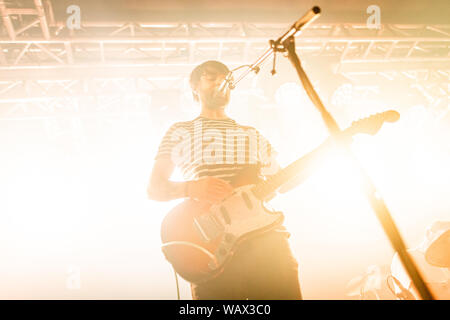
307	162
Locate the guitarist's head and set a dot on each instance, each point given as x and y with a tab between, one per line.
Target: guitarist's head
205	80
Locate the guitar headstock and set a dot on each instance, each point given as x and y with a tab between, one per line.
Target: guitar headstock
372	124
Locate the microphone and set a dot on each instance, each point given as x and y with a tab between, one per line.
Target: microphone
226	85
301	23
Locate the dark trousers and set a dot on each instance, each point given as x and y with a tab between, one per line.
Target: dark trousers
263	268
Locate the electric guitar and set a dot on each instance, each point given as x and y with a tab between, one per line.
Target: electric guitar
199	238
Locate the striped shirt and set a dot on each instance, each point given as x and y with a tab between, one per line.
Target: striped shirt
219	148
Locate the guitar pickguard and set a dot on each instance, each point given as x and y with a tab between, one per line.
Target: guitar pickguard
241	215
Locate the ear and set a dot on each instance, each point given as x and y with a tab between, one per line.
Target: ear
195	96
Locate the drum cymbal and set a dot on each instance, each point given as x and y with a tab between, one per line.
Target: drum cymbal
438	251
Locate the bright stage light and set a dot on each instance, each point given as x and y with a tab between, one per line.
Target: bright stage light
342	96
408	166
290	93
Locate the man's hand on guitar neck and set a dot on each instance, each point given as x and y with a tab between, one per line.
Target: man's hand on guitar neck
209	189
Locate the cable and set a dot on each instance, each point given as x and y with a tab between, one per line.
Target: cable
176	281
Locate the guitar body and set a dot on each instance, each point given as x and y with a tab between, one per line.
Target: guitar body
198	239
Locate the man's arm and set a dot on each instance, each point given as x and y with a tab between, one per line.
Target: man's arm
160	188
293	183
312	162
290	184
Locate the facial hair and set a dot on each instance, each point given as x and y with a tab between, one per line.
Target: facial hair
216	100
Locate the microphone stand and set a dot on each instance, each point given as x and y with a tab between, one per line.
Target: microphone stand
286	44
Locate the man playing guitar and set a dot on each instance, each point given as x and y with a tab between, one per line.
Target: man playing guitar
216	154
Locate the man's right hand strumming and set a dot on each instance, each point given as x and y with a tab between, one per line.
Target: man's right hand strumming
209	189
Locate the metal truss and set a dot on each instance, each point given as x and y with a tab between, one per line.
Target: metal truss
357	48
89	98
32	38
48	59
